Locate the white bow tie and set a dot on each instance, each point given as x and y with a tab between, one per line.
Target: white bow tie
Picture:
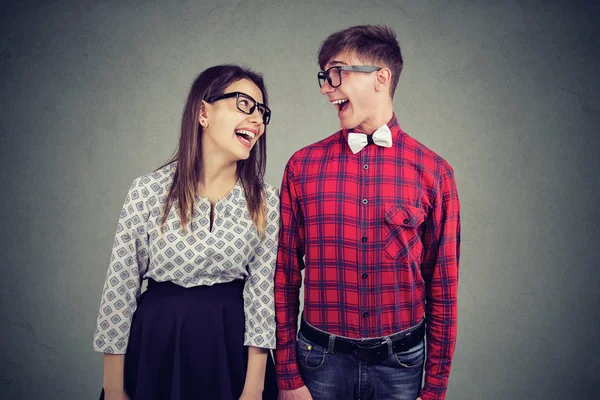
381	137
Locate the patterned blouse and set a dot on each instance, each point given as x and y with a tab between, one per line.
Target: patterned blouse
232	250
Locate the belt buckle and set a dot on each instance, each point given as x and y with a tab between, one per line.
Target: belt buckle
370	352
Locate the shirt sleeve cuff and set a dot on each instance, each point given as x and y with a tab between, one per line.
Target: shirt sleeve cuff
262	340
432	392
290	383
107	346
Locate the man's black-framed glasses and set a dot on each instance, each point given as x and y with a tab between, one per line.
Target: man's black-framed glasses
246	104
333	75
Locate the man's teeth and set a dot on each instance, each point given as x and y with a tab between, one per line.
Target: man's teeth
247	134
340	101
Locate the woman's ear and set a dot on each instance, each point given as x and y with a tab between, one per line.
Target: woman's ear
202	115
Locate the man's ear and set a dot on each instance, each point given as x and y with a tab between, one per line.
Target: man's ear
383	79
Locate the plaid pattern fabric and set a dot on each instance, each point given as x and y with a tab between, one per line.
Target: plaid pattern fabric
378	234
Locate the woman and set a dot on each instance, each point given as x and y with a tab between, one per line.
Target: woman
202	230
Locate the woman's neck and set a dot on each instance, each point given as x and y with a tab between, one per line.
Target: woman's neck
217	178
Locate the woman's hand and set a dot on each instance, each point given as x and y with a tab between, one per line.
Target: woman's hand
115	395
251	394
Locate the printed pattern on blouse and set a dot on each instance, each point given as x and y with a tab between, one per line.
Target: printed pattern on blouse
233	249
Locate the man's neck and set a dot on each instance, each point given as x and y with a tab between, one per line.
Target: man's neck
381	117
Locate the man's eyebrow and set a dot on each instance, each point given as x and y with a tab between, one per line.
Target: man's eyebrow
332	63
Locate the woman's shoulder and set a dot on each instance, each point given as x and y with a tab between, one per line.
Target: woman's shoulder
271	190
272	195
158	181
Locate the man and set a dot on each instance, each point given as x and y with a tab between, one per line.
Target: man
372	216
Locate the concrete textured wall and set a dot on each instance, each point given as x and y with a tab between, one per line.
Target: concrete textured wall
91	95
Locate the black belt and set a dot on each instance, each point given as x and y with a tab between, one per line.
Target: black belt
368	349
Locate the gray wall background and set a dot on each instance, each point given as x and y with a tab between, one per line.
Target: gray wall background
91	95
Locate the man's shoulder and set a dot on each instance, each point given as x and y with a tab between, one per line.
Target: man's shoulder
318	149
425	153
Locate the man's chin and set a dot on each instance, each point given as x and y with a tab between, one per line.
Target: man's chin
347	125
349	120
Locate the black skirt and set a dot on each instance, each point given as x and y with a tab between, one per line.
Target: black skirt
188	343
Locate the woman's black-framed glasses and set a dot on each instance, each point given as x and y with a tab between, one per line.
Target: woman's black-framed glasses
246	104
333	75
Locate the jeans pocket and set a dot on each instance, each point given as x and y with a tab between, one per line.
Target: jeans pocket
310	355
411	358
402	239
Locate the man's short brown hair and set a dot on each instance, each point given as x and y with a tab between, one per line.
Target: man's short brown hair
371	43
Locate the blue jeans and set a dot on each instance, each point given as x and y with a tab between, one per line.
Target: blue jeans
339	376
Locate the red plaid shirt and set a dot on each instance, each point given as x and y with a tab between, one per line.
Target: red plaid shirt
380	235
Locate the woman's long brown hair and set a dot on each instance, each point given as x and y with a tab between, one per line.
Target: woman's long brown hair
213	82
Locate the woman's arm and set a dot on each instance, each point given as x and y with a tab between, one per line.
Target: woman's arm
129	262
114	388
255	375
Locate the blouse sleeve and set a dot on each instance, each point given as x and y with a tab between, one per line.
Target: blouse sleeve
128	264
259	307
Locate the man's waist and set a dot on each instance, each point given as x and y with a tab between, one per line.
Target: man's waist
361	323
369	348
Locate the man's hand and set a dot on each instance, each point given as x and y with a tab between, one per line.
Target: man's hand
301	393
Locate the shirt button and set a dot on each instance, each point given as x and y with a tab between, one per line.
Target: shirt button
365	166
365	201
365	276
365	314
364	239
406	221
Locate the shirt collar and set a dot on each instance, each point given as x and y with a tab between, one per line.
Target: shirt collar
235	196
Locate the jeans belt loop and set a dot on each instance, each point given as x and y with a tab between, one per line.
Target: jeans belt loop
331	345
390	345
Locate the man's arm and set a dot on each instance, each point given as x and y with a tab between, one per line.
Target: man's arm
287	283
440	272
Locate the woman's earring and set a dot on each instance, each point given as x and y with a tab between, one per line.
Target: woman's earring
204	123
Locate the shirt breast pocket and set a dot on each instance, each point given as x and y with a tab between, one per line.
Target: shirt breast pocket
402	240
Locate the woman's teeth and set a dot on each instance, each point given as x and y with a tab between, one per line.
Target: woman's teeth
245	136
